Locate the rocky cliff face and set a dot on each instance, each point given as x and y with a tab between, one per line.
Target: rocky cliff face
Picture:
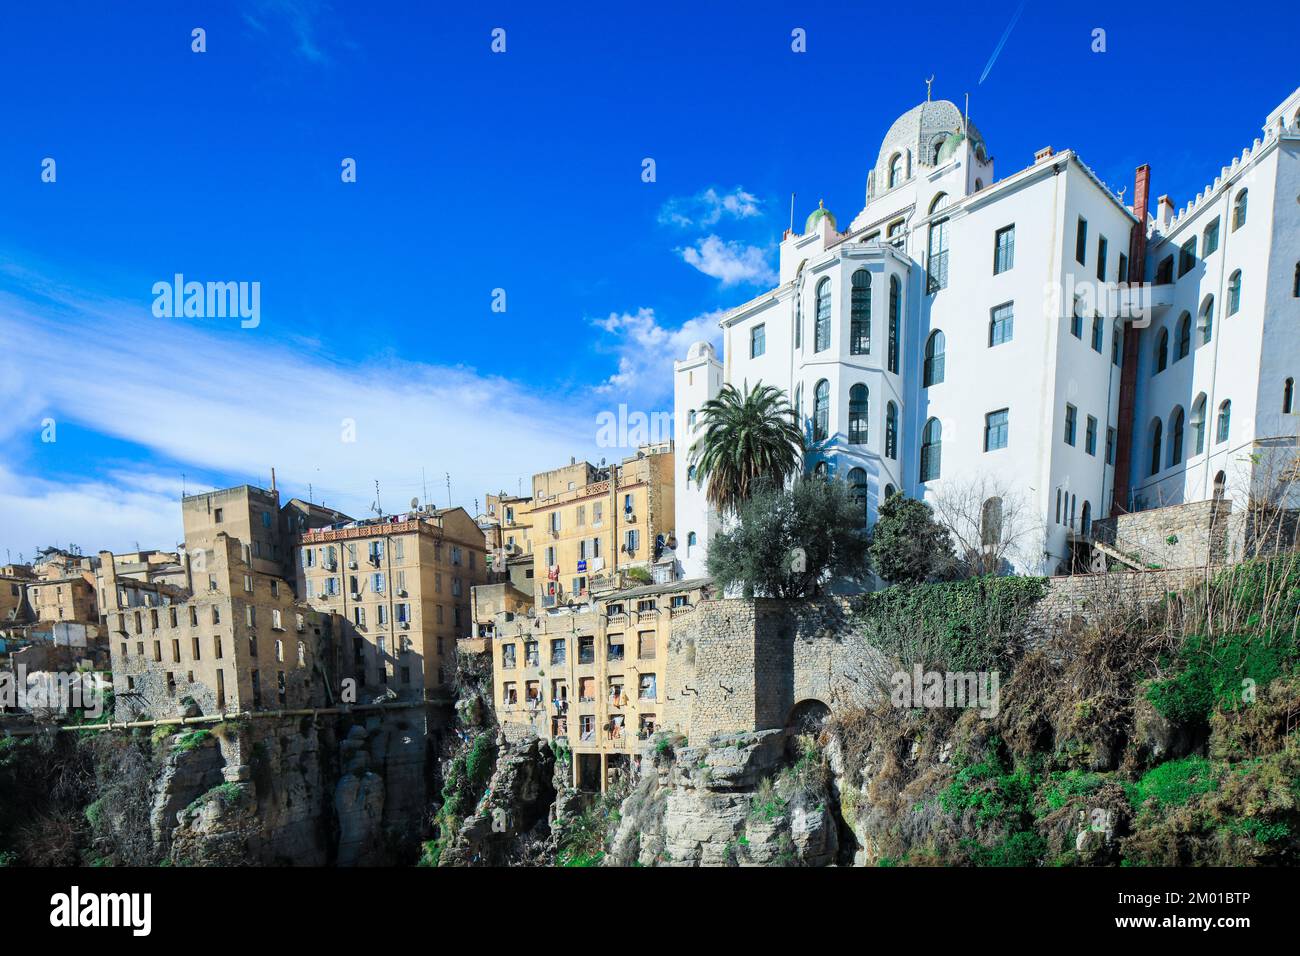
757	799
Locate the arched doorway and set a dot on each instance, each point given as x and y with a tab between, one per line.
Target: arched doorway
807	717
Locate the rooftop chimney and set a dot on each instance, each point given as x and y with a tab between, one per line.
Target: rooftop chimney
1164	210
1045	153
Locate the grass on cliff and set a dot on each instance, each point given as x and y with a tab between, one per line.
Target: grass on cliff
1067	773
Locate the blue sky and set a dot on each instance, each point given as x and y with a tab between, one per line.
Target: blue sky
477	171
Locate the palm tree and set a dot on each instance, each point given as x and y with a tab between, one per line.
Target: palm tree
748	439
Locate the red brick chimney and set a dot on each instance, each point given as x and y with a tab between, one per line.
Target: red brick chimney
1137	246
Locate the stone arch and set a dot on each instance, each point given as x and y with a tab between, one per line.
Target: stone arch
808	716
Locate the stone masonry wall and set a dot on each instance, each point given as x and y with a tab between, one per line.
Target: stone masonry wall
1179	536
740	666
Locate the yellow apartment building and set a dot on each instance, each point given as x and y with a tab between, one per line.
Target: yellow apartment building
236	641
591	674
591	526
402	585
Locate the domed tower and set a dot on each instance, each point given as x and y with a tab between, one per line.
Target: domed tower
925	137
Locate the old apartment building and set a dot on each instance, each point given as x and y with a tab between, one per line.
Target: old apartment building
592	526
235	640
401	585
591	674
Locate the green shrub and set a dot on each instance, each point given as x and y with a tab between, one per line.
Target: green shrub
1175	783
1211	671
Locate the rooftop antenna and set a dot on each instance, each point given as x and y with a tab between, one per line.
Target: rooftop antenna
928	84
425	482
448	489
379	510
415	504
965	119
792	212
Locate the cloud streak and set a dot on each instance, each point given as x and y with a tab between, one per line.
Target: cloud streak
730	262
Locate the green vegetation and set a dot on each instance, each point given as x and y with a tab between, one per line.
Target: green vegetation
583	839
907	545
750	441
190	741
788	540
1175	783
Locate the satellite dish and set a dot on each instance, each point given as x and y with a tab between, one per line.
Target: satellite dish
415	503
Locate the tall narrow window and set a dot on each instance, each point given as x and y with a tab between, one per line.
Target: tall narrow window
1098	333
1225	420
1076	317
891	431
991	521
858	489
757	340
1161	358
1210	238
1086	526
860	313
1239	211
1187	257
1102	247
1176	423
1004	249
931	449
996	428
1157	430
1198	425
895	304
1116	344
1234	292
896	170
858	414
822	335
1071	423
1288	395
1001	324
1081	241
1207	320
1123	267
798	317
1184	342
821	410
937	260
1090	436
932	373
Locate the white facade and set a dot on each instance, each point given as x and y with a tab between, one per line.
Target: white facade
934	236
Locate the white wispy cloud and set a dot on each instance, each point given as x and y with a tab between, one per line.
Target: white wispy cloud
730	262
708	207
646	351
232	403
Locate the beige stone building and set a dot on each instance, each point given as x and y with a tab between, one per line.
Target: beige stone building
246	513
402	585
592	674
236	640
592	526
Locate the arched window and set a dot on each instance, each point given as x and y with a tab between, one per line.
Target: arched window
1176	423
934	355
690	474
822	336
691	540
821	410
896	170
938	203
1157	430
858	403
798	406
822	470
1234	292
1184	344
1288	395
1225	420
890	491
931	449
1220	482
1239	211
895	303
1206	321
1087	517
991	522
860	313
936	274
1161	357
690	419
891	431
858	489
1198	424
798	315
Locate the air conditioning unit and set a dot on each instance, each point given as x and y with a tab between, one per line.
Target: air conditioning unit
301	628
352	565
406	625
630	517
402	593
356	595
322	596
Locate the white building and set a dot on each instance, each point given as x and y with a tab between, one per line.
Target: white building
964	328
